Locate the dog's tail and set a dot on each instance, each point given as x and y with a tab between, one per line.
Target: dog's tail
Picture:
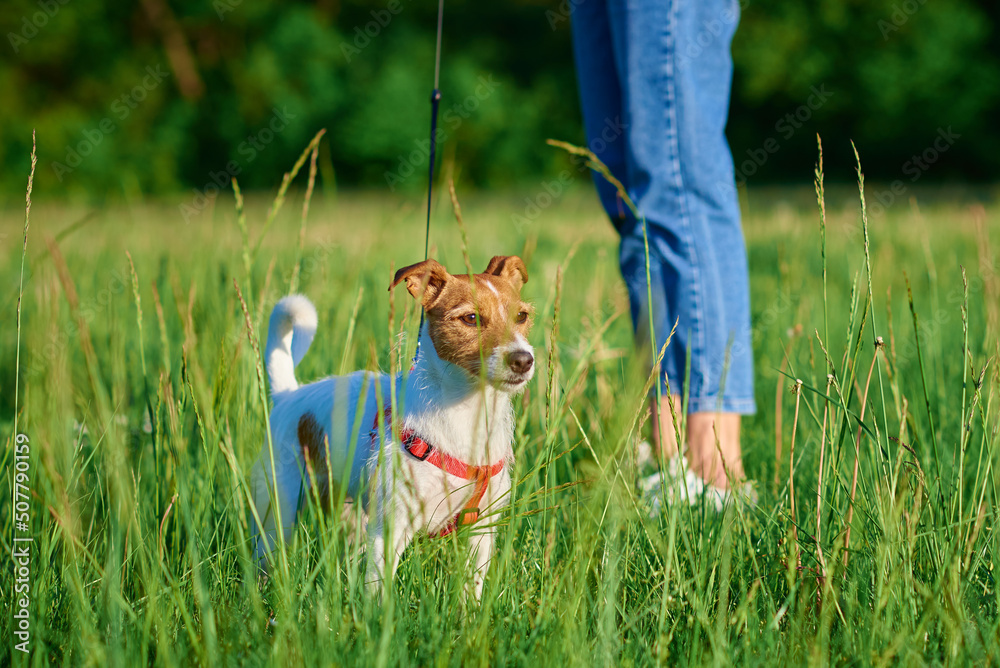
291	330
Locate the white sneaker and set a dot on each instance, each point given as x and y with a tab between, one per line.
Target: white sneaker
644	458
744	493
676	484
679	484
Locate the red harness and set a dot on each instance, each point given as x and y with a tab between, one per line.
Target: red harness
425	452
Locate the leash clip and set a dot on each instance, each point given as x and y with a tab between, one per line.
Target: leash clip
408	444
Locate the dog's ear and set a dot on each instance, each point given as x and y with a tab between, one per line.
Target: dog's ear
424	280
510	267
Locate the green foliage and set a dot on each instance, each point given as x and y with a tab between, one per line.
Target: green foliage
893	87
897	71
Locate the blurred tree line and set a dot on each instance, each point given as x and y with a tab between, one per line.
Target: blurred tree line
138	97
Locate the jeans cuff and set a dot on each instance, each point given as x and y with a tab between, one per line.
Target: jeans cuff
727	405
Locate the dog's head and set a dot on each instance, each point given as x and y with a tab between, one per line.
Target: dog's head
477	323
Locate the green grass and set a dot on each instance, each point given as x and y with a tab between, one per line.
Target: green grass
141	534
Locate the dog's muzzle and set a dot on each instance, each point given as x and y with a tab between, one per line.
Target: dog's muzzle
519	361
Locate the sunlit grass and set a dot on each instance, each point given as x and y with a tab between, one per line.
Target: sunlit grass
143	432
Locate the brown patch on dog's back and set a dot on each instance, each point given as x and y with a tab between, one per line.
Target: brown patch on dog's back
313	442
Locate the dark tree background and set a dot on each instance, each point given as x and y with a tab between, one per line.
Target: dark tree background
149	97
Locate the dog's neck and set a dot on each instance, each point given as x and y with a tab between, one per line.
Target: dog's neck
462	416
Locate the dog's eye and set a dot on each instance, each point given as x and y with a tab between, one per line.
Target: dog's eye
469	319
521	317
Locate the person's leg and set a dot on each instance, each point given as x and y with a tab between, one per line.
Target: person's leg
597	54
666	424
600	98
675	70
704	37
714	452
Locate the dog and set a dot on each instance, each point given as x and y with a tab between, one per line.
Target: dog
447	454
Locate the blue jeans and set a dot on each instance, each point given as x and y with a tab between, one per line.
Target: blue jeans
654	82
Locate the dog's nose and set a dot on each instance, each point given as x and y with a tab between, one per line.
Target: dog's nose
520	361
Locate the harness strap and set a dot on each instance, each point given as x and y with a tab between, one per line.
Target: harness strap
425	452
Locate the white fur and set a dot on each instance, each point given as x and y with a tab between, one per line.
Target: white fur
503	306
458	414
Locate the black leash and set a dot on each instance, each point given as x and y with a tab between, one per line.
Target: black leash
435	103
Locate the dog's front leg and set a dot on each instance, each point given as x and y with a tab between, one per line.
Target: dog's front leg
480	553
389	532
285	484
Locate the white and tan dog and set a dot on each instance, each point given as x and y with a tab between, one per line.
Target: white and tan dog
449	457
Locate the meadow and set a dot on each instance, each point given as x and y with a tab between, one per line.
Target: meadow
139	393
